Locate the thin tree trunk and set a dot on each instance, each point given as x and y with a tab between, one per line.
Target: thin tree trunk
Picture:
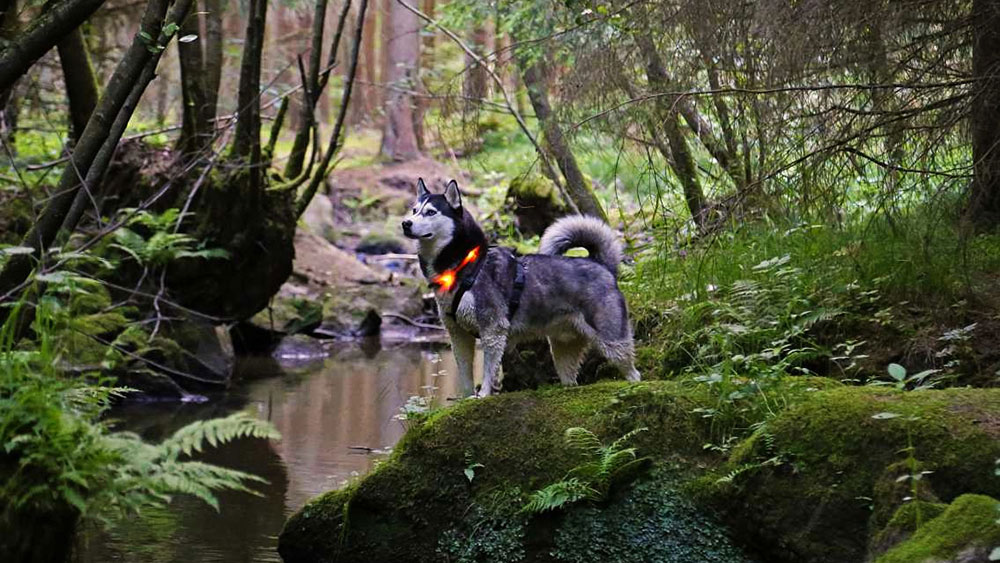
246	139
476	84
336	138
8	104
81	84
984	200
128	81
683	162
399	137
310	93
213	56
48	29
577	186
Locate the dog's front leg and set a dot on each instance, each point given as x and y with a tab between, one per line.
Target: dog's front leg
463	345
494	344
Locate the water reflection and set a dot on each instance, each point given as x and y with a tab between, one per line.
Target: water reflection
330	413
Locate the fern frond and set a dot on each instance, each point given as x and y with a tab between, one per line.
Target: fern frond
192	437
582	439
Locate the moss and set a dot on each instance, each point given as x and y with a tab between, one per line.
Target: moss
809	471
903	523
827	455
652	522
966	530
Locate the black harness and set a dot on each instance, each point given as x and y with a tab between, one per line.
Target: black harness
467	282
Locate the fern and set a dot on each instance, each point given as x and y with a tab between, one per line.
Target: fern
592	479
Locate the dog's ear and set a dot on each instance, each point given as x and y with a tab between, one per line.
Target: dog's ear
453	196
422	190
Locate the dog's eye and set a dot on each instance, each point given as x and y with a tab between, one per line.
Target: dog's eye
430	213
414	210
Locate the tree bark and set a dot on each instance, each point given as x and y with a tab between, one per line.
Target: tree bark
246	139
984	197
336	138
310	94
666	114
8	104
399	138
577	186
81	84
131	76
201	71
48	29
476	84
213	55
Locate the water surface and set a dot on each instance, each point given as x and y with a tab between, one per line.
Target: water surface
335	416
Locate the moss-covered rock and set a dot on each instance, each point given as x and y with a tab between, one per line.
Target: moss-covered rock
800	488
965	532
903	523
535	203
806	480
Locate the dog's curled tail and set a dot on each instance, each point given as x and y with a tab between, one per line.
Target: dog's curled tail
591	233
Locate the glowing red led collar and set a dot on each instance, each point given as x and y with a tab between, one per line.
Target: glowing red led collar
446	279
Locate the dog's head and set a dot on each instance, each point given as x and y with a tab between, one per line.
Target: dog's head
433	217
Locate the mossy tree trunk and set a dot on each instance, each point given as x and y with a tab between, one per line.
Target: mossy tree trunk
197	98
984	200
577	187
48	29
81	84
246	139
96	144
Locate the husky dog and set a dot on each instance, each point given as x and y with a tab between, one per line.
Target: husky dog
490	293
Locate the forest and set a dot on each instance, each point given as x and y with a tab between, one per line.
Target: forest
238	322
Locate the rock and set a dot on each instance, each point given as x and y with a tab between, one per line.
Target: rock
203	351
377	243
794	491
965	532
318	218
534	202
828	452
370	326
421	506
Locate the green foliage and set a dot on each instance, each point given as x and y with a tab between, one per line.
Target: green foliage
591	480
160	246
59	453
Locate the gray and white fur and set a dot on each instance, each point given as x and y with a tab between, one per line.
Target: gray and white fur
574	303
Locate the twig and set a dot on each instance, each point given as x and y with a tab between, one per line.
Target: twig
412	322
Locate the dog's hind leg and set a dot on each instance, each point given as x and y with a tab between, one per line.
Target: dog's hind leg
494	344
622	354
567	355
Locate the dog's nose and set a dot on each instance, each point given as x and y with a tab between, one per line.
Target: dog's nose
407	224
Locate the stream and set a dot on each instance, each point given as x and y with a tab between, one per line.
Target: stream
337	416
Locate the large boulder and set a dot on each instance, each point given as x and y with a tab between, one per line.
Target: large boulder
965	532
820	478
794	490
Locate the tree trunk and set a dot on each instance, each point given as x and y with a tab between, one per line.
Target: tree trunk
476	84
399	137
577	186
984	199
201	67
213	56
101	134
310	94
666	114
246	139
81	84
367	103
8	103
48	29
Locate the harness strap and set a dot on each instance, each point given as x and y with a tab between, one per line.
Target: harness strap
515	294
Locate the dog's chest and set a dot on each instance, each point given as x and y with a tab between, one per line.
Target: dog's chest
465	313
